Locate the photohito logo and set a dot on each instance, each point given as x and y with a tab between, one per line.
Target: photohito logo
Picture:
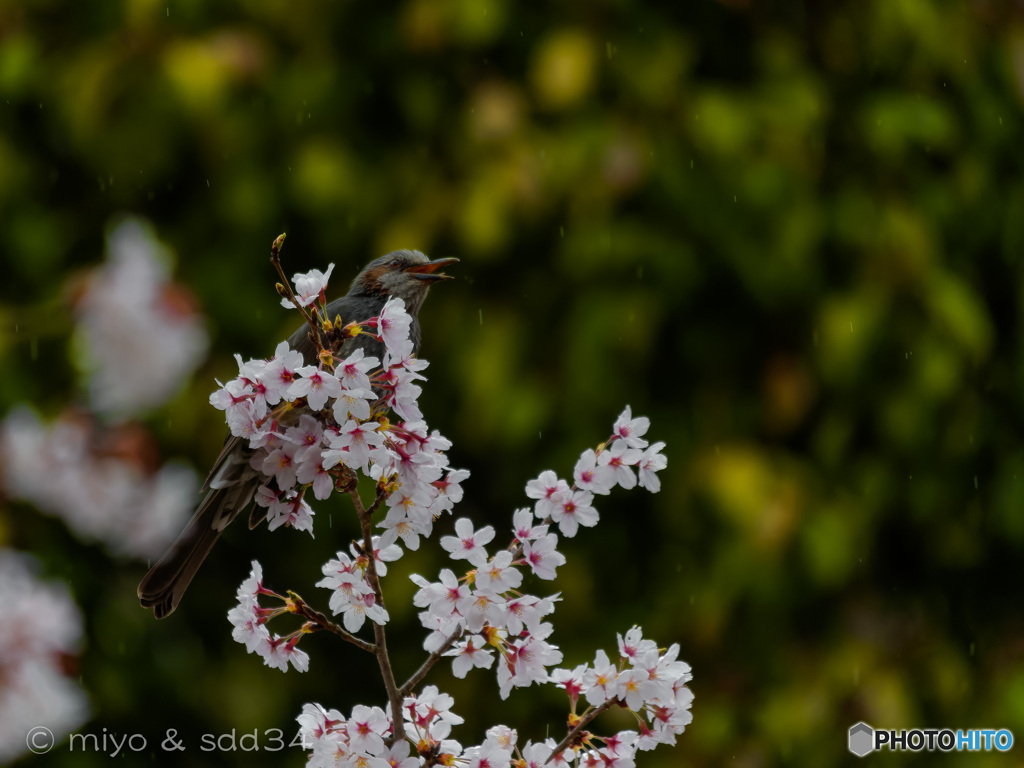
863	739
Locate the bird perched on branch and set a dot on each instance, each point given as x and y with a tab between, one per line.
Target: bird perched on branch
232	482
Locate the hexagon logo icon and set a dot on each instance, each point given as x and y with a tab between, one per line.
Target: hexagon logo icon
861	739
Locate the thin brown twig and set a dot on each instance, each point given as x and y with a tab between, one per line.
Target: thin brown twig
387	673
580	726
381	495
320	620
286	286
429	662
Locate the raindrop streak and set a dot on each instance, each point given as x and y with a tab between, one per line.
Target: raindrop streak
33	349
481	317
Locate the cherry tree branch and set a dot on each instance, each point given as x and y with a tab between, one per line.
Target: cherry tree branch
387	673
320	620
575	734
381	495
429	662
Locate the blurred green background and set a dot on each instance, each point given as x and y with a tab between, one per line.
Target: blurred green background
788	232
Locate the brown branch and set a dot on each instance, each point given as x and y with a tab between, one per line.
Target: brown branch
574	734
381	495
386	672
321	621
425	667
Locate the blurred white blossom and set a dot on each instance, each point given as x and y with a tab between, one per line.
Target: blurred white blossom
138	337
40	634
97	484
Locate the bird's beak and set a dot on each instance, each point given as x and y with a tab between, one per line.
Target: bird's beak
429	271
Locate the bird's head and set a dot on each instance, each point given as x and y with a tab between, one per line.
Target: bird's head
406	275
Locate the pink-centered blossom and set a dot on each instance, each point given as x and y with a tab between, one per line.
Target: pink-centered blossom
282	652
316	385
280	464
393	327
468	653
549	491
574	511
630	430
619	458
523	527
353	372
542	555
651	462
468	544
591	476
281	372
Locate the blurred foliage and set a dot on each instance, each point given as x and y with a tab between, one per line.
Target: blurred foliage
788	232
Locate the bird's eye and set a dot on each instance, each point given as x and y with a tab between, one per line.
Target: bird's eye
395	263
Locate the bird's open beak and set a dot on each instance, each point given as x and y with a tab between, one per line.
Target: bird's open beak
429	271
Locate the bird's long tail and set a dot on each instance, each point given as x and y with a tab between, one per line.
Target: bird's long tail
232	487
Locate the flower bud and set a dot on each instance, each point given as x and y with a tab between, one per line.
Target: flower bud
275	249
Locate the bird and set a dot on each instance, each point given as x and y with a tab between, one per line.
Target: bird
232	483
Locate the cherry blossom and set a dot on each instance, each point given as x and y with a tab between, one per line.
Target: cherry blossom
63	469
498	575
590	476
394	325
549	491
308	287
138	337
619	458
42	627
316	385
361	416
542	556
631	430
468	544
651	461
468	653
573	511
